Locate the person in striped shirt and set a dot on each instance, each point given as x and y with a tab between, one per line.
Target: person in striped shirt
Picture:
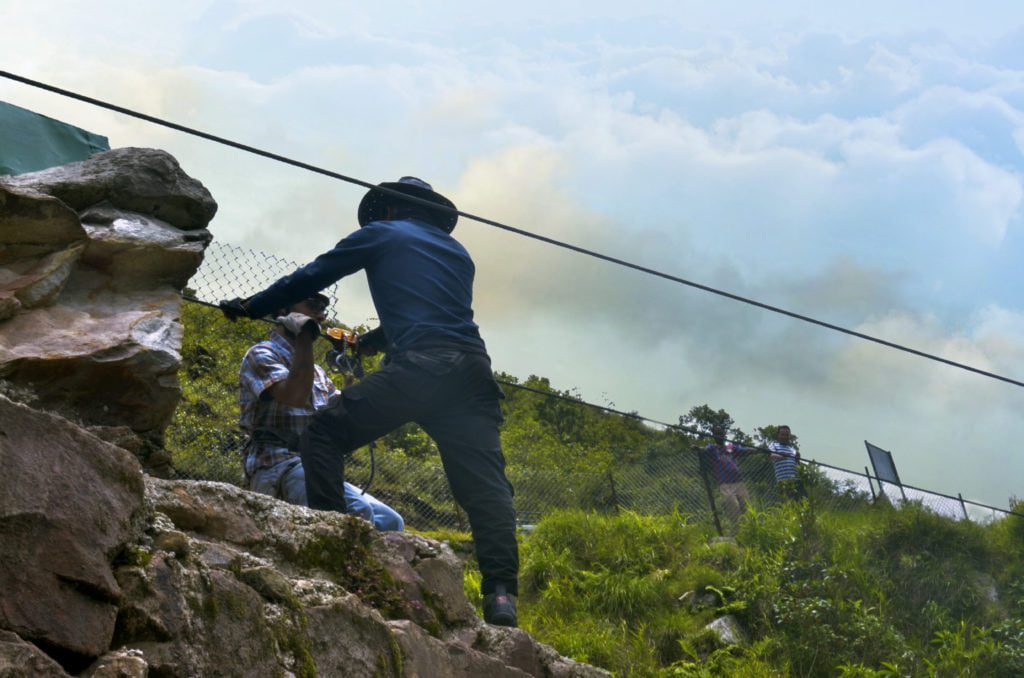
785	457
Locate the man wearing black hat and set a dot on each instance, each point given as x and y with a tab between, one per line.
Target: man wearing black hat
437	372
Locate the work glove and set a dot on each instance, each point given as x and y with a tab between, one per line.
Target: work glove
297	323
371	342
233	309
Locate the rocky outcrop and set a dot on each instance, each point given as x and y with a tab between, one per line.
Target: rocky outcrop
21	658
34	223
119	664
93	256
323	592
68	504
727	630
108	572
105	571
140	180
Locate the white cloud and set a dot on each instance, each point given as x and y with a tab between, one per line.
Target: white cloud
859	173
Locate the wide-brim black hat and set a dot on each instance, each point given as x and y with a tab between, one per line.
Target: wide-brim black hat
375	203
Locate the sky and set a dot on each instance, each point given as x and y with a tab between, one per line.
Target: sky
861	164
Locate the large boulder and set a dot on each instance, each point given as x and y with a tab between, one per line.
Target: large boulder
113	573
137	251
69	503
427	657
38	282
119	664
143	180
101	357
39	238
33	223
20	659
349	638
322	586
93	256
728	630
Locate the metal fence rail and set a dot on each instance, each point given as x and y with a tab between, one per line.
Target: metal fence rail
668	475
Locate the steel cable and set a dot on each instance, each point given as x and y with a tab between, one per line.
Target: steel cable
512	229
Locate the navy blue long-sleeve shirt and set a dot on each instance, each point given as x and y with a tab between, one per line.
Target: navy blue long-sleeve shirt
420	277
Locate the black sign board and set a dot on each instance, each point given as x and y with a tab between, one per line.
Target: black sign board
885	467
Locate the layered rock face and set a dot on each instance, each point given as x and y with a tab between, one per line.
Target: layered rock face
93	256
107	572
227	582
68	504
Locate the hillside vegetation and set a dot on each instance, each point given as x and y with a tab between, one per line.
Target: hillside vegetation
873	592
623	567
560	453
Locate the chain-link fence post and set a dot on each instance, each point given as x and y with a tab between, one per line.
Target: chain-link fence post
614	495
711	494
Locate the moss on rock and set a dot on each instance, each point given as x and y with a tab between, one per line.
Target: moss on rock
350	561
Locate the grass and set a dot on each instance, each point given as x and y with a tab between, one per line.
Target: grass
873	591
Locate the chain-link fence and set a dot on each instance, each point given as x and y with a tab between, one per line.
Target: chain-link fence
561	451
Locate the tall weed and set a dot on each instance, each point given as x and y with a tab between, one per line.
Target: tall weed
921	558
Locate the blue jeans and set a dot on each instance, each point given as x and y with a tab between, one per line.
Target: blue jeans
287	480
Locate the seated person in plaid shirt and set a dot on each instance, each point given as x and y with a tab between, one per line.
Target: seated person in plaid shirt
280	389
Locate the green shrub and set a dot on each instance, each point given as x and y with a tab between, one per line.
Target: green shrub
972	651
820	592
921	557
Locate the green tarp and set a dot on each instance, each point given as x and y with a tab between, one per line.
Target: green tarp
30	142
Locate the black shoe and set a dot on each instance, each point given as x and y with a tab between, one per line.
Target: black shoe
500	607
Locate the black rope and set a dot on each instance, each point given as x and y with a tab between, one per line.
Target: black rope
506	227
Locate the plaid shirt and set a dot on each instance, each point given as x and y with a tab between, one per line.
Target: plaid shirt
265	364
722	461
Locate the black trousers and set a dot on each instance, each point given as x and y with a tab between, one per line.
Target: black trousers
452	395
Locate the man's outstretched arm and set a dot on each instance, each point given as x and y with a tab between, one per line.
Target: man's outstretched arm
348	256
296	389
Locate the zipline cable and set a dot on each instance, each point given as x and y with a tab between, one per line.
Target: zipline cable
506	227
